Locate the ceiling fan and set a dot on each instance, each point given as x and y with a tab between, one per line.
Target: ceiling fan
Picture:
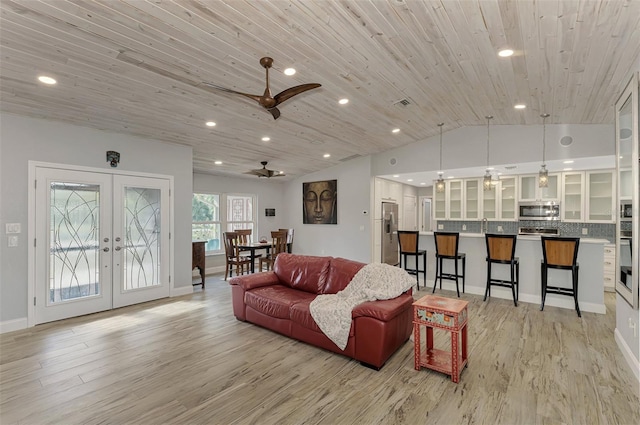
267	101
264	172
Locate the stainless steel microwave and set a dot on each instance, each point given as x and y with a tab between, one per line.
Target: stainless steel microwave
626	209
539	210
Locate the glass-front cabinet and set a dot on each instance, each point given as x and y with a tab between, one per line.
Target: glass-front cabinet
455	199
530	190
628	192
572	205
509	198
439	204
600	196
472	199
490	203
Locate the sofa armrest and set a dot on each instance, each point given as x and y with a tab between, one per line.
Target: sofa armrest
255	280
384	310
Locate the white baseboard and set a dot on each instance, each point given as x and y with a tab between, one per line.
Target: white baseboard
182	290
13	325
552	299
208	271
633	363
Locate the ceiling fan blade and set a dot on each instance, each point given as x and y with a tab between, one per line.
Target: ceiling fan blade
275	112
250	96
292	91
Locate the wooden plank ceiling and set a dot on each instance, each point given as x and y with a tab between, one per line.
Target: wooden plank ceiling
136	67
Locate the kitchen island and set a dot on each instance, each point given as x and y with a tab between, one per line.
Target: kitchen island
529	250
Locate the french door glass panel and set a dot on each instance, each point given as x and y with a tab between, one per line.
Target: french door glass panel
140	232
73	270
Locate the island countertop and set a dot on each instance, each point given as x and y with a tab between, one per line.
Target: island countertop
529	251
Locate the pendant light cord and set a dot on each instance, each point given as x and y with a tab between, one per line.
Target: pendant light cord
488	117
544	136
440	125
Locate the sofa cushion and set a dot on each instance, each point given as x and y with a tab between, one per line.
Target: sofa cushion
304	272
384	310
275	300
301	315
341	271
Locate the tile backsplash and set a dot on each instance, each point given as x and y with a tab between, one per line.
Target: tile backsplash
594	230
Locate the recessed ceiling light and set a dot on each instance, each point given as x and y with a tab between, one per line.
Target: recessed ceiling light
289	71
450	177
218	162
46	80
499	174
423	184
409	180
490	168
505	53
327	155
210	124
266	139
519	106
396	175
281	172
395	130
569	161
567	169
343	101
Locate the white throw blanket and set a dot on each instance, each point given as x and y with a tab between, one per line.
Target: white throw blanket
376	281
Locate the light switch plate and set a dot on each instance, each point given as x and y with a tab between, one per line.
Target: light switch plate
12	241
12	228
585	231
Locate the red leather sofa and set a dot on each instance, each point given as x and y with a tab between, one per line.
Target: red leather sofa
279	300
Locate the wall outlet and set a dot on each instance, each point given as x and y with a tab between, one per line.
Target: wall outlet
585	231
500	229
440	226
12	241
464	227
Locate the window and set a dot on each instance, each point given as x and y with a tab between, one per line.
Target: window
206	225
209	220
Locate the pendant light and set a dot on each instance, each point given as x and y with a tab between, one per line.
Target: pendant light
486	181
440	181
543	174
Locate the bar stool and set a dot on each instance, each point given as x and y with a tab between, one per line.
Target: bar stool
447	249
501	249
408	241
560	253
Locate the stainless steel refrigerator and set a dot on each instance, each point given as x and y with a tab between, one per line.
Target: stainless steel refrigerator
390	233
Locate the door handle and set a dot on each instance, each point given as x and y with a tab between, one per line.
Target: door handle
106	249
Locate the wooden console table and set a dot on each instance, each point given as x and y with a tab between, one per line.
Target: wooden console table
198	259
443	313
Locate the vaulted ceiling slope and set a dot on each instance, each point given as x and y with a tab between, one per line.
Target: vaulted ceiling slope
137	67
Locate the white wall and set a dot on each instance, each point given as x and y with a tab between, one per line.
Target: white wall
351	237
270	193
467	147
628	342
23	139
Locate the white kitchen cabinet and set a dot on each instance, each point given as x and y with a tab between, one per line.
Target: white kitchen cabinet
508	198
471	206
600	200
626	180
609	267
531	191
490	202
454	191
573	199
439	204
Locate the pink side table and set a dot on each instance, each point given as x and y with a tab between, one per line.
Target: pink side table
447	314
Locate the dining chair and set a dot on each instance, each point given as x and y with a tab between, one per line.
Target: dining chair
278	245
501	249
447	249
560	253
408	241
289	239
244	235
233	257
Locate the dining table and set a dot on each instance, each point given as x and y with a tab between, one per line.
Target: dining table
252	247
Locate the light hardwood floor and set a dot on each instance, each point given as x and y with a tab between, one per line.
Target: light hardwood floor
187	360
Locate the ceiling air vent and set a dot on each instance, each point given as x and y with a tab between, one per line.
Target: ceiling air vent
402	102
349	158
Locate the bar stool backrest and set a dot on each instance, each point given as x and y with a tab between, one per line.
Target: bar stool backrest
501	247
560	251
408	240
446	243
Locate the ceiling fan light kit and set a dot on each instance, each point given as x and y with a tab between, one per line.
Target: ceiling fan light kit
267	101
265	172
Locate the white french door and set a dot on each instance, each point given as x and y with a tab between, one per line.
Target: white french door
102	241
